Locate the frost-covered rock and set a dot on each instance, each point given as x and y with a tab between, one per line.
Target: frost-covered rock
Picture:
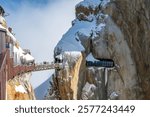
88	91
113	96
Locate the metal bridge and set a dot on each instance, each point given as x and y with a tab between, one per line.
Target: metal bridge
9	71
41	67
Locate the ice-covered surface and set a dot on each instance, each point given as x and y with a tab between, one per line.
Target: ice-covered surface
20	89
90	57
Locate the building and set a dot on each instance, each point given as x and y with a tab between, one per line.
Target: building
13	60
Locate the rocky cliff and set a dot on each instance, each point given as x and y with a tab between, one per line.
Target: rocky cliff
116	30
19	88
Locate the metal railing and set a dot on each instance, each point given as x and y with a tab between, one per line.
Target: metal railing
41	67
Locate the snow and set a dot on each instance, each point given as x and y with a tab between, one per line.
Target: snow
88	91
20	89
69	41
91	69
28	57
11	35
113	96
85	32
2	28
74	54
89	3
100	27
104	3
60	57
91	58
18	53
93	3
2	22
89	87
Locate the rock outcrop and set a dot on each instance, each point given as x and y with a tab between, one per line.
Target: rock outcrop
19	88
117	30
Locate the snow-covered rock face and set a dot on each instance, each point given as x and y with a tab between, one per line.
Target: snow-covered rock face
108	29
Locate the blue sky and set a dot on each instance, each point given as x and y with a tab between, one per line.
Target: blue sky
15	4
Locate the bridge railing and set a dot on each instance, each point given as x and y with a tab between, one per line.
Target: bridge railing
22	69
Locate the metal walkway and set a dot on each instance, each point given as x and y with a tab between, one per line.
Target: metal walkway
41	67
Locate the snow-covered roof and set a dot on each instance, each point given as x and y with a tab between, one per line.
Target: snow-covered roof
20	53
29	57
